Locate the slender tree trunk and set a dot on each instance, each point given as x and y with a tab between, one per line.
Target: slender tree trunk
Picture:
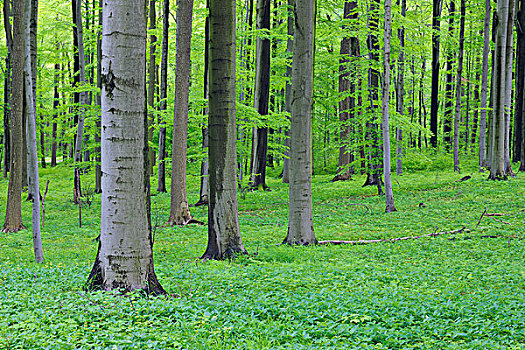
161	186
288	90
434	103
32	149
13	218
385	125
484	89
179	211
497	168
261	97
400	91
98	167
7	87
449	85
125	259
458	86
520	83
509	62
152	81
56	101
224	237
300	224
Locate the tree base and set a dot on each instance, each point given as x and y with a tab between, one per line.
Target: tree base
229	254
341	177
13	228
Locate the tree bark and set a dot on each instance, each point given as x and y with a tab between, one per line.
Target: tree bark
385	125
13	218
509	51
125	259
300	224
458	86
261	97
7	87
152	81
98	167
434	103
161	186
449	85
400	91
288	90
520	82
224	237
484	89
179	211
56	101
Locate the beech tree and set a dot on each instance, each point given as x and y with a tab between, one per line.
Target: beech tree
125	257
224	237
300	216
161	186
457	113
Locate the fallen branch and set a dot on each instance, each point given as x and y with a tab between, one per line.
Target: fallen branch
481	217
495	214
363	242
503	222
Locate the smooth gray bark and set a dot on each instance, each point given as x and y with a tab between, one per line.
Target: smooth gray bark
288	90
400	91
300	223
161	186
457	113
484	89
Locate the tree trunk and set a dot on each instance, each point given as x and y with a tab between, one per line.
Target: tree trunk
300	224
261	97
400	91
497	168
449	85
288	90
224	237
7	87
484	89
161	186
56	99
385	125
98	167
32	150
509	51
125	259
13	218
434	103
180	212
458	86
349	52
152	81
520	83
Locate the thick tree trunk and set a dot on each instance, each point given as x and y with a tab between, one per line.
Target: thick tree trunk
261	97
125	259
161	186
497	168
484	89
434	103
13	218
385	125
288	90
7	87
509	64
32	150
179	211
449	85
520	83
224	237
300	224
349	52
458	86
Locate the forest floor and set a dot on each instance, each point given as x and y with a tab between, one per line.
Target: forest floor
464	291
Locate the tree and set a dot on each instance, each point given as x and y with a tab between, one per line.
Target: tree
125	258
400	90
288	88
458	86
32	149
449	85
161	186
434	104
484	89
152	78
180	211
7	86
224	237
300	222
520	82
13	218
261	96
389	196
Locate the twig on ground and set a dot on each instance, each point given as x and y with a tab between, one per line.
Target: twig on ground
503	222
495	214
481	217
362	242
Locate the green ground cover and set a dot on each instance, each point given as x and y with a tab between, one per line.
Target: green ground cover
448	292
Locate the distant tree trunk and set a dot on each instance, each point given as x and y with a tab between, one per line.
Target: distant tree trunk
300	223
349	52
484	89
179	211
32	148
161	187
509	51
261	97
98	168
224	237
449	85
125	259
434	103
56	101
497	168
152	81
374	155
400	91
475	118
458	86
385	125
520	83
7	87
204	188
288	91
13	218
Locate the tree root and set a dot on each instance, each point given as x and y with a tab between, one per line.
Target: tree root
363	242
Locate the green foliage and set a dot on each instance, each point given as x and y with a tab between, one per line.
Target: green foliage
462	292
